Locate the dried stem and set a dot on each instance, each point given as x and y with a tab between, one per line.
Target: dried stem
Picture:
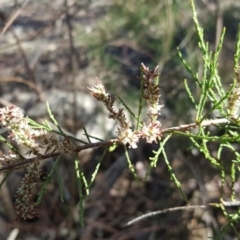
151	214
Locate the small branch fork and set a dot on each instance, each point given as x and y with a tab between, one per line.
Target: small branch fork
184	127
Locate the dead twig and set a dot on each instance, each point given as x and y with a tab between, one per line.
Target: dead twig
18	43
31	85
151	214
13	17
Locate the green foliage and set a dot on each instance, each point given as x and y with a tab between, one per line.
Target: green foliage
212	91
49	179
80	180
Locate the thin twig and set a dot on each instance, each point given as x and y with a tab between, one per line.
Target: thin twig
73	62
151	214
205	123
19	45
13	17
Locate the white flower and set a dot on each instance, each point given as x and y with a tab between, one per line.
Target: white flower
155	110
127	136
151	131
98	91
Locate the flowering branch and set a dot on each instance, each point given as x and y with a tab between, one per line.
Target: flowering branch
184	127
125	133
23	133
25	161
150	131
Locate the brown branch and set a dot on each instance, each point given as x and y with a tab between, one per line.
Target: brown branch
56	154
184	127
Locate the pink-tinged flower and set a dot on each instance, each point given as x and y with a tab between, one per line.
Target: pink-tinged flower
152	131
19	128
127	136
98	91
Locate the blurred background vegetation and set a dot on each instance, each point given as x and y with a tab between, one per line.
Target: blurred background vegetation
53	50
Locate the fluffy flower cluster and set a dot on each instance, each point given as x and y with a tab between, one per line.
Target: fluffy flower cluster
125	134
99	92
150	131
22	133
13	119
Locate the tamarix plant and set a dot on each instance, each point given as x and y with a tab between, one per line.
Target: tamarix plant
222	113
